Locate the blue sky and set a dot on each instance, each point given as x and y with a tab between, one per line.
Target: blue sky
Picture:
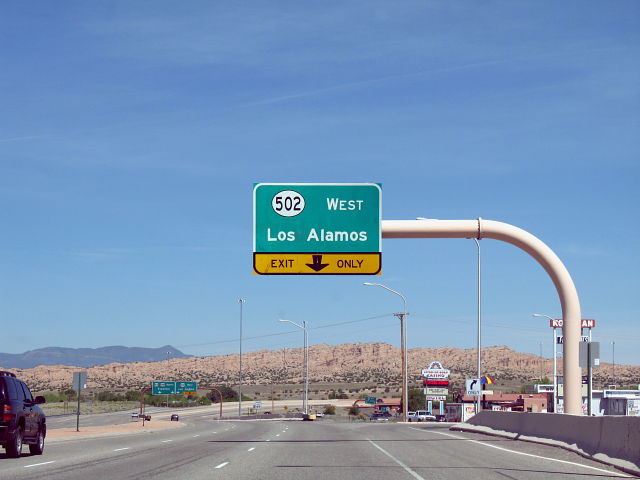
132	134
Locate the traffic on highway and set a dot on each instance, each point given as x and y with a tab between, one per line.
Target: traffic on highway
200	446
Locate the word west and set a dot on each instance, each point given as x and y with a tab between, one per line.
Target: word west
344	205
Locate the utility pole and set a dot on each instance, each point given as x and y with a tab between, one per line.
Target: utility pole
540	343
613	354
403	346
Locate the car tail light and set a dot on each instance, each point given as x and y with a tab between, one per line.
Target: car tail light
7	416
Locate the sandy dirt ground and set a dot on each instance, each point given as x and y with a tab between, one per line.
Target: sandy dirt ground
132	427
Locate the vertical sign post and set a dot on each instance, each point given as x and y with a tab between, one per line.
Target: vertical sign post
79	384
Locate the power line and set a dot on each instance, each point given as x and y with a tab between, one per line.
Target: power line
233	340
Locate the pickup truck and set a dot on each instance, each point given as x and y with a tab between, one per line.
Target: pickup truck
424	416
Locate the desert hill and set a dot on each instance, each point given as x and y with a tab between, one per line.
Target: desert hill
352	363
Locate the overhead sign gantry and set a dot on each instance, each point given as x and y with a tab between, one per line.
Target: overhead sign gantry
328	238
317	229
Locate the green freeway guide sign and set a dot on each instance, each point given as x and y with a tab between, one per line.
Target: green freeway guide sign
309	228
172	388
163	388
182	387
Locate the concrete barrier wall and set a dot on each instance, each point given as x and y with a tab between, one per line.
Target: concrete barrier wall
614	440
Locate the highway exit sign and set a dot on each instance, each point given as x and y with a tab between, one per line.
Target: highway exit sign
163	388
317	228
186	387
173	388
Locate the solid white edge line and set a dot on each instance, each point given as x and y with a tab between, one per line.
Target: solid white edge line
120	449
406	468
222	465
529	454
38	464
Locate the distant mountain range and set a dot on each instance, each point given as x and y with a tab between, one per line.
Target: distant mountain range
87	357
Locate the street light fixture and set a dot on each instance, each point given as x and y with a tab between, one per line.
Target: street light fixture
555	365
403	347
305	399
241	302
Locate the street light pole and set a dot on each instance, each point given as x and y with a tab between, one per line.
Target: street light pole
403	347
305	353
479	339
241	302
555	364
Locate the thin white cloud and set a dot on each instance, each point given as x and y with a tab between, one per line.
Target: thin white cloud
22	138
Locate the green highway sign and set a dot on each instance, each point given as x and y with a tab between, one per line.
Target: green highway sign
313	228
163	388
172	388
182	387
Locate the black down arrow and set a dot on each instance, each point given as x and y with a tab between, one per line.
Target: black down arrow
317	264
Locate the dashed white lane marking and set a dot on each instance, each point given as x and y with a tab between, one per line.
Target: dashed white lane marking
120	449
406	468
527	454
222	465
38	464
251	449
196	436
277	434
215	432
167	441
268	439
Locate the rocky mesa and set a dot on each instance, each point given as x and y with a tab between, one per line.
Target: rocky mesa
351	363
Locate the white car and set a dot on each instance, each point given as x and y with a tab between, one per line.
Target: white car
425	416
411	417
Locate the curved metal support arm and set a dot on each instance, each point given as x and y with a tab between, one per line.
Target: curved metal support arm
570	303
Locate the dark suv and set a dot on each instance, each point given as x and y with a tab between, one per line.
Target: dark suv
21	419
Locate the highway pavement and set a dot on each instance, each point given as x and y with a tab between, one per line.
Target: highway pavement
286	449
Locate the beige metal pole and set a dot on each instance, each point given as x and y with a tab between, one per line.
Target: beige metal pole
560	276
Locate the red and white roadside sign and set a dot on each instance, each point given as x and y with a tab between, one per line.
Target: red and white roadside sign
442	398
584	323
436	383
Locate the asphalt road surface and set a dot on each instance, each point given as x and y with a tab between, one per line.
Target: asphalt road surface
209	449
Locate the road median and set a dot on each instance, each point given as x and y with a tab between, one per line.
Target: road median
60	434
